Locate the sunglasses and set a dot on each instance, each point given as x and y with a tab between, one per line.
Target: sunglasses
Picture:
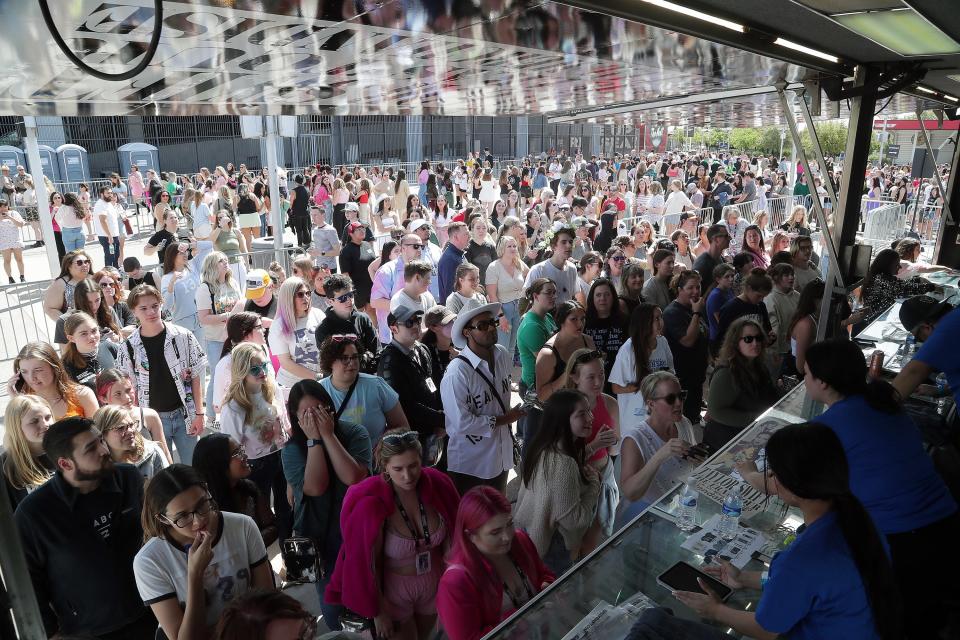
408	437
486	325
618	258
749	339
344	337
304	295
257	370
240	453
671	398
418	247
344	297
81	262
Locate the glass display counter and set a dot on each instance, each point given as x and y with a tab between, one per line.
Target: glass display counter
602	595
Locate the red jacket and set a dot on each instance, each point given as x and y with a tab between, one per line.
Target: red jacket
467	611
366	507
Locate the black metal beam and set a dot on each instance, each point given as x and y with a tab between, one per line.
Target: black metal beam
856	155
947	250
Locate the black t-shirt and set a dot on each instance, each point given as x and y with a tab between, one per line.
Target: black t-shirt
300	206
147	278
737	308
354	261
481	255
704	265
269	311
104	358
163	390
161	240
689	362
98	508
608	335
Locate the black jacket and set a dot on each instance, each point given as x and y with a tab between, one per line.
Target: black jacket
84	584
423	407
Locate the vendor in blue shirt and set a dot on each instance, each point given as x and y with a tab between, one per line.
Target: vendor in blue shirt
936	325
894	478
834	580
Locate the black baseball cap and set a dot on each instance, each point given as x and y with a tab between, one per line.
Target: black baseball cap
919	309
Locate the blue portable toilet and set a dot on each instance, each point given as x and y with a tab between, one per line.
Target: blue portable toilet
11	157
74	166
145	156
49	163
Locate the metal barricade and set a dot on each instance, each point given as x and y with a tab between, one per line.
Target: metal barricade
22	319
884	224
780	208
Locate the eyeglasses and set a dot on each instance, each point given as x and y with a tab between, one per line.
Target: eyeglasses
486	325
257	370
240	453
347	359
303	295
126	426
671	398
344	337
418	247
408	437
750	338
184	520
344	296
107	285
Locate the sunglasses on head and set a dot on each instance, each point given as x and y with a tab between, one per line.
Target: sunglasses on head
749	339
344	337
589	356
344	296
408	437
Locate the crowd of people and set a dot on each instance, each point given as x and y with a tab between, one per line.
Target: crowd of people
436	334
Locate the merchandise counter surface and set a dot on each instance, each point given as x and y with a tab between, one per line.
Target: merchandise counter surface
622	572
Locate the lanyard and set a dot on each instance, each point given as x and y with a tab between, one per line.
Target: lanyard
423	522
526	586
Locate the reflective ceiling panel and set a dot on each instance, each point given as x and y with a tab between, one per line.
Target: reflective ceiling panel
397	58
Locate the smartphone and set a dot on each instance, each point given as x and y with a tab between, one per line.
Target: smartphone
20	383
701	450
683	577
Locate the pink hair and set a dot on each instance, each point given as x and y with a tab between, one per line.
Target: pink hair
477	506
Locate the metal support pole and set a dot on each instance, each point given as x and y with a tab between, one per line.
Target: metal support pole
859	134
43	200
274	183
16	577
945	216
833	265
818	154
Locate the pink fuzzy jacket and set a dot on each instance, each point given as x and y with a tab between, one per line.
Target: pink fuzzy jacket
366	507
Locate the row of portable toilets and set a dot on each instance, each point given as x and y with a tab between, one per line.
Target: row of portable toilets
68	163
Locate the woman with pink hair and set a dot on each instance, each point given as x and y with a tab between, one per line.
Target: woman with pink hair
492	569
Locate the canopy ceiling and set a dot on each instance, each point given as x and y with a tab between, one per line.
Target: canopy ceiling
398	58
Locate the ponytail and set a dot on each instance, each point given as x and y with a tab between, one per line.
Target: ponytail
870	558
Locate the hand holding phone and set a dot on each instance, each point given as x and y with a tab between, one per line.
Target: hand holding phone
683	577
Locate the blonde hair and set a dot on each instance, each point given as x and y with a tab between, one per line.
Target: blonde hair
243	355
110	417
208	273
502	247
793	214
386	449
21	469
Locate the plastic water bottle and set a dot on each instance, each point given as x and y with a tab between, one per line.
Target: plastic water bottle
730	514
687	516
941	392
909	347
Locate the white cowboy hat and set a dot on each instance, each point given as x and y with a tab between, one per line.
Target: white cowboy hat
464	318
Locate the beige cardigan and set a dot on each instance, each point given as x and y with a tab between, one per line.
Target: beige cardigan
557	498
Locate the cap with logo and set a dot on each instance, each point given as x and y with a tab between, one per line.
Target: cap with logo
257	282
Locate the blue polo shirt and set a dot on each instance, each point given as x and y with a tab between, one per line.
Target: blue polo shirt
941	353
890	473
814	590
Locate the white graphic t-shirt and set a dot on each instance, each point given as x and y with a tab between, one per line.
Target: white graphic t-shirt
301	346
161	568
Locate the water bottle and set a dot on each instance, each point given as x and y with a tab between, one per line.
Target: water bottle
687	516
730	515
941	392
909	347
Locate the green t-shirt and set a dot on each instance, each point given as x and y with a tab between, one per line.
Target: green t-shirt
533	333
